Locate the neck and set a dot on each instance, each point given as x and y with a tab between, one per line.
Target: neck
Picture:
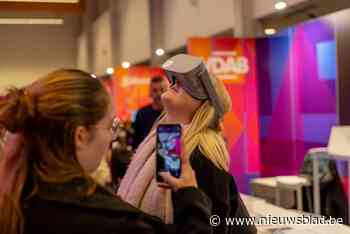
157	107
181	120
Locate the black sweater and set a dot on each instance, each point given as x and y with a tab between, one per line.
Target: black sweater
59	210
221	188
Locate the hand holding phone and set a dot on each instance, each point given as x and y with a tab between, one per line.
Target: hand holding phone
180	176
168	150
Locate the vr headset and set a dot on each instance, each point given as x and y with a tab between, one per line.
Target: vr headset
194	78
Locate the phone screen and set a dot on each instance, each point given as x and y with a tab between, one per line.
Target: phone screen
168	150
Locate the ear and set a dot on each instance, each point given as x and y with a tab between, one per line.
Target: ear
81	137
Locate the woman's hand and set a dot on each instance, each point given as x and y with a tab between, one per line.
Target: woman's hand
187	178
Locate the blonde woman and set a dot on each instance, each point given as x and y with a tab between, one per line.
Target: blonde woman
198	102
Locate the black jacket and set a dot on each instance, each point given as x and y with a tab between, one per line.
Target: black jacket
222	191
60	210
143	123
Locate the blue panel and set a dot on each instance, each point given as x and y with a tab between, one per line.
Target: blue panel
265	122
326	60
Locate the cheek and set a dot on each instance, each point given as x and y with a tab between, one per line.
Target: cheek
175	101
102	143
167	99
106	141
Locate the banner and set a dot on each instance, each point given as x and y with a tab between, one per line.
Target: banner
297	94
131	89
234	61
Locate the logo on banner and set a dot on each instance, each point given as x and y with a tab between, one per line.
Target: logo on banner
227	65
132	81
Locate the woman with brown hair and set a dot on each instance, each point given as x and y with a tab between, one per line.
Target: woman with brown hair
61	126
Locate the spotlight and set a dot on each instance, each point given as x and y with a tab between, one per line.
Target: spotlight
280	5
125	65
110	71
159	52
270	31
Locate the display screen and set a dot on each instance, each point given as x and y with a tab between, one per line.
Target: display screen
169	149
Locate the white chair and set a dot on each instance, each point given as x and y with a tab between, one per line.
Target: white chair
294	184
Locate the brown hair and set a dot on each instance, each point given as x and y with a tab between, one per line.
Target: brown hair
47	113
157	79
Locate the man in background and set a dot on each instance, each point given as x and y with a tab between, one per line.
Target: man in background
147	115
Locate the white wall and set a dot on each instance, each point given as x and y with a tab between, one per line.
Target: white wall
134	31
263	8
132	42
130	38
184	19
102	43
82	52
28	52
128	41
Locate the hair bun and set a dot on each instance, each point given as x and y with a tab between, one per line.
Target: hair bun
16	109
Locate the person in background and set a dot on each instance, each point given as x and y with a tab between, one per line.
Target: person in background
60	128
147	115
119	164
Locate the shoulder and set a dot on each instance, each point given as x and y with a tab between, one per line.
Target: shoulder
202	163
101	210
145	109
217	183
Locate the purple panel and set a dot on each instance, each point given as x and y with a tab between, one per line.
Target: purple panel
297	108
317	127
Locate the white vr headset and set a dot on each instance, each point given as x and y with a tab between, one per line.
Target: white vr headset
194	78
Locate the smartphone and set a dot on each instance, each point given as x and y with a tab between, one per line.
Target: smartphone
168	150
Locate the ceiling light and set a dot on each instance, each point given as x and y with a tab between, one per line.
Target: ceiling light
159	52
280	5
43	1
126	65
40	21
110	71
270	31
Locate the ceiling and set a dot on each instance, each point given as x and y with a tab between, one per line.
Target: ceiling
71	10
305	11
65	9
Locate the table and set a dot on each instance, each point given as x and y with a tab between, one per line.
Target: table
259	207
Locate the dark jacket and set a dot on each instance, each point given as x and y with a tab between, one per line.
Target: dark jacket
58	209
222	191
143	123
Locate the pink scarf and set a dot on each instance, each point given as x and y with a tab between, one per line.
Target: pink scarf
139	186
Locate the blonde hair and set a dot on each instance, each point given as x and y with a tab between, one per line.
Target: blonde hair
102	175
205	129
